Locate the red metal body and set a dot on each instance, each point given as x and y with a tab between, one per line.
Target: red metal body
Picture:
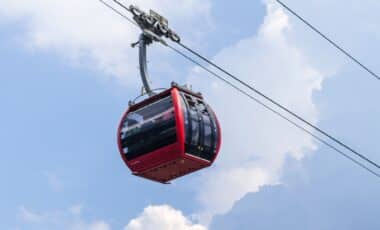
169	162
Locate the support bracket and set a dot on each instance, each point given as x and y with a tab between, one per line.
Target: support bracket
154	27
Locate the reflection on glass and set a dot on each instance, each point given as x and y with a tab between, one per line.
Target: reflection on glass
149	128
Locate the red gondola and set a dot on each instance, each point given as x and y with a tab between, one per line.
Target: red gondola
171	134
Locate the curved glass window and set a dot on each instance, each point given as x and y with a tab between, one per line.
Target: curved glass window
149	128
200	126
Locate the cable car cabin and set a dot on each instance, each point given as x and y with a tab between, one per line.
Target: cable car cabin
169	135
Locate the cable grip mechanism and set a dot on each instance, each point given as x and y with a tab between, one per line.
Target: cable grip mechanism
154	27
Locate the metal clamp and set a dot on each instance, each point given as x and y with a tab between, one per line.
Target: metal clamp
154	23
154	27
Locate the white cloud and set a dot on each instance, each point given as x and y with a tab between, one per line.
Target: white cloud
70	219
153	218
255	142
55	182
29	216
162	218
97	225
87	33
76	209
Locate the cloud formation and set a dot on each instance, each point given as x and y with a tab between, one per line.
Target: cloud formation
257	143
70	219
318	188
54	182
87	33
162	218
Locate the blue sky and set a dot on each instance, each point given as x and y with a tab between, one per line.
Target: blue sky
64	86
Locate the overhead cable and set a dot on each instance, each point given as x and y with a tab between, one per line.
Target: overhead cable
281	106
340	48
269	99
275	112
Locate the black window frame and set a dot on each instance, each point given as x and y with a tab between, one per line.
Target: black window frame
143	139
195	111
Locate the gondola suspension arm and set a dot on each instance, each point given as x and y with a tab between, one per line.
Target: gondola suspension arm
154	27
